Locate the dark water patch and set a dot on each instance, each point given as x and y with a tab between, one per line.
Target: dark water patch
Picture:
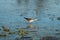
57	30
32	31
18	1
52	17
57	33
17	38
26	38
58	18
26	1
0	29
20	28
49	38
49	14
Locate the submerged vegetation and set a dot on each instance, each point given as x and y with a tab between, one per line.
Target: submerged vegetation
11	33
3	35
22	32
5	29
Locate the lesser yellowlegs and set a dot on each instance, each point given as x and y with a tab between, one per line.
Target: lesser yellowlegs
30	19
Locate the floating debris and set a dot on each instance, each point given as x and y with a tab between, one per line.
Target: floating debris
58	18
49	38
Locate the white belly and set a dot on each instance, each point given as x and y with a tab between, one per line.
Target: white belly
31	20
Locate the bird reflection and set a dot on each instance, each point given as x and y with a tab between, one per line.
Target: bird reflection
31	26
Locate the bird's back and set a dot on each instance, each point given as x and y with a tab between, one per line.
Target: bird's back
27	18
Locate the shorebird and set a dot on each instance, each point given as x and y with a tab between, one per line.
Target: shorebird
30	19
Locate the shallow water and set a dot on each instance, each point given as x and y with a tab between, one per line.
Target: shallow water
12	16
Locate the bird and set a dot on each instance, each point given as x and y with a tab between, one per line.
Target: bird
30	19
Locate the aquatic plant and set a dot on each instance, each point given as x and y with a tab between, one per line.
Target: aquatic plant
3	35
5	29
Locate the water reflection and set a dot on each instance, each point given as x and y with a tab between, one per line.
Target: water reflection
18	1
31	26
22	1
